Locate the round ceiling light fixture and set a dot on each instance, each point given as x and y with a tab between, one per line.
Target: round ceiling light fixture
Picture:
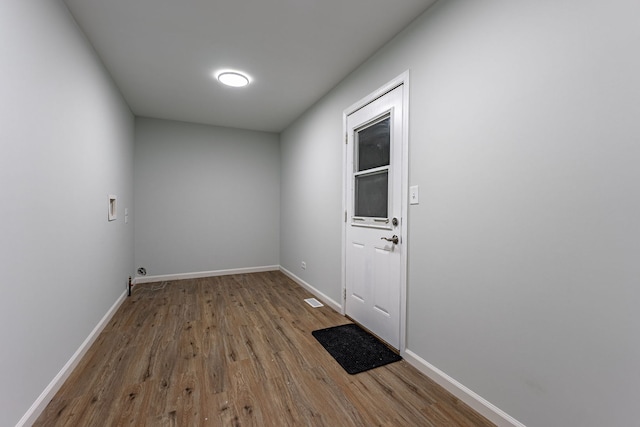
233	78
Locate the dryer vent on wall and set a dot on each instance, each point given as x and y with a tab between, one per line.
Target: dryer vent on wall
113	207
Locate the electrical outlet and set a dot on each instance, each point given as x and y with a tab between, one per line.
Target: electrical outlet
304	265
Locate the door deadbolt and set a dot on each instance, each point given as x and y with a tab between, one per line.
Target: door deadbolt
394	221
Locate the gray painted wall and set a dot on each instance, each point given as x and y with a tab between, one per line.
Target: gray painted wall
523	270
66	142
207	198
311	203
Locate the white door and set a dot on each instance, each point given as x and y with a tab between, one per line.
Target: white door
374	241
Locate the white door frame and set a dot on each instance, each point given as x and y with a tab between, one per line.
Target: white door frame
402	79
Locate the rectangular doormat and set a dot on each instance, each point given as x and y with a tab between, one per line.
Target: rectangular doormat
355	349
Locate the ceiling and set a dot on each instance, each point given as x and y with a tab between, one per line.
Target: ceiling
162	53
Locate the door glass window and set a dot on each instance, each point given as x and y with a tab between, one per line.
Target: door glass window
371	175
373	146
372	195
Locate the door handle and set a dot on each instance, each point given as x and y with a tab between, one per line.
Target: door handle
394	239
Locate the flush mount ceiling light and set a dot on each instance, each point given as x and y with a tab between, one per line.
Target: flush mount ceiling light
232	78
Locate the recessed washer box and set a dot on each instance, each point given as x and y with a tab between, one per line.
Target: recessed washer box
113	207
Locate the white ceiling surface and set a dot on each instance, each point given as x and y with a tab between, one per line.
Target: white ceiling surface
161	53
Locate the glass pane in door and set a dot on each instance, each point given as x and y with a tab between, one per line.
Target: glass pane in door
371	195
373	145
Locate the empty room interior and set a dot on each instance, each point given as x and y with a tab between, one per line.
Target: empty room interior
518	227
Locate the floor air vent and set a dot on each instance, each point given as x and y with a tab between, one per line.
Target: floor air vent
313	302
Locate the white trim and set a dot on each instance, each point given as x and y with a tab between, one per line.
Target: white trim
201	274
49	392
345	200
404	225
325	299
474	400
398	81
401	80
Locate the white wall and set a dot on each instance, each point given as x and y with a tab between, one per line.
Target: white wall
207	198
66	142
523	270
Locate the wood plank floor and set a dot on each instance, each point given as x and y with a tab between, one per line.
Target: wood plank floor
237	351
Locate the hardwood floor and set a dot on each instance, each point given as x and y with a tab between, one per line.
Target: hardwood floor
237	351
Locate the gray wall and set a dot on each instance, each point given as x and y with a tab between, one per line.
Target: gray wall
311	203
207	198
66	142
523	270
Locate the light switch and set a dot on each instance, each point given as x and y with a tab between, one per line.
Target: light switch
414	195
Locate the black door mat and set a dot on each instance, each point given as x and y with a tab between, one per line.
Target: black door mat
355	349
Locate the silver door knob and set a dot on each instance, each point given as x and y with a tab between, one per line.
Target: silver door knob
394	239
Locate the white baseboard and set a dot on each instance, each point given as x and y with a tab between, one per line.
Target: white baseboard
45	397
201	274
475	401
325	299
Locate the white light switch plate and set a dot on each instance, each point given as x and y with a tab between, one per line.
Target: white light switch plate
414	195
